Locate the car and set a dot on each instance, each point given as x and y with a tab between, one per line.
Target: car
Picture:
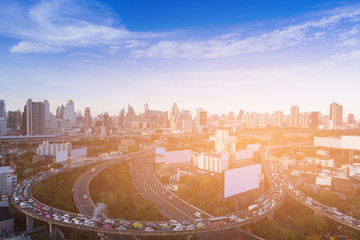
109	221
85	196
190	227
149	229
107	226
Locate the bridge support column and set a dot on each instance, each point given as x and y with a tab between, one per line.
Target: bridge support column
317	213
237	203
189	237
29	223
271	216
102	236
351	156
53	231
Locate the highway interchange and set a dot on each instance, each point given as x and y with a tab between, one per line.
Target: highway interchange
182	215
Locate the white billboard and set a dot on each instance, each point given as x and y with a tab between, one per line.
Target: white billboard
160	151
254	147
183	156
240	180
244	154
61	156
328	142
80	152
351	142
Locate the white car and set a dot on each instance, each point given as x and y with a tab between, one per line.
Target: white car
85	196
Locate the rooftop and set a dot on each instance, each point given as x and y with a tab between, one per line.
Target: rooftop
6	169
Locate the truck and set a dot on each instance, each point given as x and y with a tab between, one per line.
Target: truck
253	207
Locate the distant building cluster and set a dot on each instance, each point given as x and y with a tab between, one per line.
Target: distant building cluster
37	119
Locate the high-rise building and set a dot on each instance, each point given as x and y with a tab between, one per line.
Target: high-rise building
8	180
130	112
2	108
223	143
33	119
146	108
306	121
278	119
294	116
47	110
69	112
174	115
351	119
121	118
14	119
336	113
201	117
88	120
3	121
315	119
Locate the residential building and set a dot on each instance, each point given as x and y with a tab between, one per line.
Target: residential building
213	162
294	116
33	119
8	180
336	113
47	149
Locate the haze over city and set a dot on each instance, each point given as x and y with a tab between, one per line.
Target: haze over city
179	120
256	56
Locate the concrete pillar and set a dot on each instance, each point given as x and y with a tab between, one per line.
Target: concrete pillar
351	156
189	237
29	223
271	216
237	202
102	236
53	231
317	213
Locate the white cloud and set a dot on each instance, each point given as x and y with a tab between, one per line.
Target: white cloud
27	47
52	26
231	44
344	57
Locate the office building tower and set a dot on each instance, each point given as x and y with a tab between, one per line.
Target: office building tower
33	119
2	108
14	120
130	112
88	120
294	116
336	113
201	117
315	119
3	121
351	119
69	112
174	115
121	118
278	119
306	121
47	110
146	108
3	126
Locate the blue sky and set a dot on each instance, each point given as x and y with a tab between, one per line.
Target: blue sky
220	55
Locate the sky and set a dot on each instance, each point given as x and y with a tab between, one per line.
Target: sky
219	55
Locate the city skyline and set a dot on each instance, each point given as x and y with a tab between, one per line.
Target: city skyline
306	55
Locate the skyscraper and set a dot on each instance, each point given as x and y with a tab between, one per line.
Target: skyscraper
14	119
33	120
201	117
47	110
336	113
146	108
306	122
174	114
294	116
2	108
88	120
315	119
278	119
3	122
351	119
69	112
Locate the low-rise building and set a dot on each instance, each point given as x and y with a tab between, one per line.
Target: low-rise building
213	162
8	180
